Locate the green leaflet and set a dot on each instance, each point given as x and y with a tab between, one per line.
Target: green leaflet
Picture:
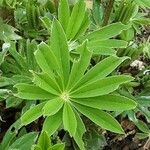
108	102
52	107
79	67
45	82
52	123
101	70
76	19
103	51
7	32
17	56
60	48
32	92
47	22
44	141
97	12
84	25
142	126
110	43
142	21
79	132
101	87
142	136
46	59
101	118
107	32
32	114
64	13
69	119
36	147
31	47
24	142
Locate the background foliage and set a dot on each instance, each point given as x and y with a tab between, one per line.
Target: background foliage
71	71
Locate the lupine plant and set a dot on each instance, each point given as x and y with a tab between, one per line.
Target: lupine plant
68	89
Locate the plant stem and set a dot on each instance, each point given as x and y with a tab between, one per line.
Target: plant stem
107	13
147	144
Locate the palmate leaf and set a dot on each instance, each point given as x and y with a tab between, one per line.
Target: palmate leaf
101	87
101	118
32	92
101	70
32	114
72	89
108	102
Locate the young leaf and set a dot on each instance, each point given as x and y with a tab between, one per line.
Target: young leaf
69	119
101	118
76	19
60	48
45	82
32	92
32	114
108	102
107	32
52	107
44	141
79	67
52	123
64	13
46	59
101	87
101	70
